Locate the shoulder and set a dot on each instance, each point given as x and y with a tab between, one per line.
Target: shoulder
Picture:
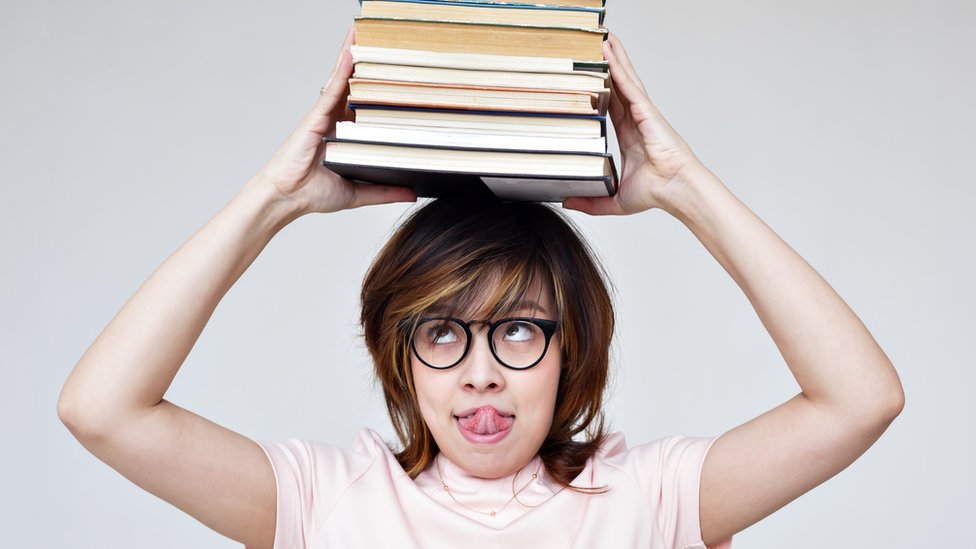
303	467
614	448
673	462
665	474
312	478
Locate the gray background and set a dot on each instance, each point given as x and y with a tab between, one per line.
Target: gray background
846	126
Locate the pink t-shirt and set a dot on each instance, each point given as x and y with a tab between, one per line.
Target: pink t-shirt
330	497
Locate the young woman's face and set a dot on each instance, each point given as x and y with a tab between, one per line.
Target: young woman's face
486	418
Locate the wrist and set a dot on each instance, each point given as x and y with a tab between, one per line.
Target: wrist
688	192
274	209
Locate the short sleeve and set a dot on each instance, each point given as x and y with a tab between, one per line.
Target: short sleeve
311	478
679	470
668	473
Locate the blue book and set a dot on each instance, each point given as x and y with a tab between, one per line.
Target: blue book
485	12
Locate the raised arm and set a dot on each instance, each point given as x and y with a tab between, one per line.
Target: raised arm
113	399
850	392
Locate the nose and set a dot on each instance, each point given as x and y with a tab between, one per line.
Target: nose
479	370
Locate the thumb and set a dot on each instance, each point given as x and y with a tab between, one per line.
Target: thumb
601	205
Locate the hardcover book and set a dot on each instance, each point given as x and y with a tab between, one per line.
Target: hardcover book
446	171
483	12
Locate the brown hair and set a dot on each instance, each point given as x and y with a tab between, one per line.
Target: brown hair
452	253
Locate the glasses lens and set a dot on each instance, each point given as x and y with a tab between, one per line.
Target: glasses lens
518	343
440	342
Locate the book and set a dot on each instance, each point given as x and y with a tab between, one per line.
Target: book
581	80
580	43
478	97
464	160
446	171
472	61
483	12
514	14
422	94
353	131
580	3
475	121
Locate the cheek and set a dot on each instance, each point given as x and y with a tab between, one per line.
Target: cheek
540	394
431	390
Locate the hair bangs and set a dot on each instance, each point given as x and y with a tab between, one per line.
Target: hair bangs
496	289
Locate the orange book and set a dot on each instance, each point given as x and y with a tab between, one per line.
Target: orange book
580	43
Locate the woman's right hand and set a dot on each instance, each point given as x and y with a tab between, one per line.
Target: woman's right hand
295	170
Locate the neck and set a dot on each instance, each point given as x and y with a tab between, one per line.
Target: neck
470	492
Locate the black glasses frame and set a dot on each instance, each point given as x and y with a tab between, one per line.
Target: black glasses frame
548	328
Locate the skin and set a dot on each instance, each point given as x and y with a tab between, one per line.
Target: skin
480	380
113	400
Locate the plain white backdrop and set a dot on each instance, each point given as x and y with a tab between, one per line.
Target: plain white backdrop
846	126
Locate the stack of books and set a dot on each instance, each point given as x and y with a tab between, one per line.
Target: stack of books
479	97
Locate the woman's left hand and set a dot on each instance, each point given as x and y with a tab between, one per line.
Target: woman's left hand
655	160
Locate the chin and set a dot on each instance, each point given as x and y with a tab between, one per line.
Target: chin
495	461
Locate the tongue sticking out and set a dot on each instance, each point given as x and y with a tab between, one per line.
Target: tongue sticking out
486	421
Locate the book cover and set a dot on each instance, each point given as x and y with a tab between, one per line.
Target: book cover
498	163
483	12
578	3
432	183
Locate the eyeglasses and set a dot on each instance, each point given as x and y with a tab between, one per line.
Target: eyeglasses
517	343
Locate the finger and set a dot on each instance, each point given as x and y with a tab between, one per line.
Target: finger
367	194
623	60
632	95
624	76
336	89
347	43
623	124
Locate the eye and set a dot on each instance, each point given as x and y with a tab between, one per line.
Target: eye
519	331
441	333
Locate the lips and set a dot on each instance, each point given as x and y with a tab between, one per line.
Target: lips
484	424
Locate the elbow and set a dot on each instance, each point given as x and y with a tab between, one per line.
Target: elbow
886	403
891	395
79	417
70	413
874	403
895	403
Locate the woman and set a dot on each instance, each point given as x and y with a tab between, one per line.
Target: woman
487	381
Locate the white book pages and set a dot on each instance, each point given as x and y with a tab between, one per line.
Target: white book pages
477	61
407	136
578	80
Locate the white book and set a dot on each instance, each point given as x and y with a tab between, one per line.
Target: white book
477	61
467	122
572	80
415	136
516	163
